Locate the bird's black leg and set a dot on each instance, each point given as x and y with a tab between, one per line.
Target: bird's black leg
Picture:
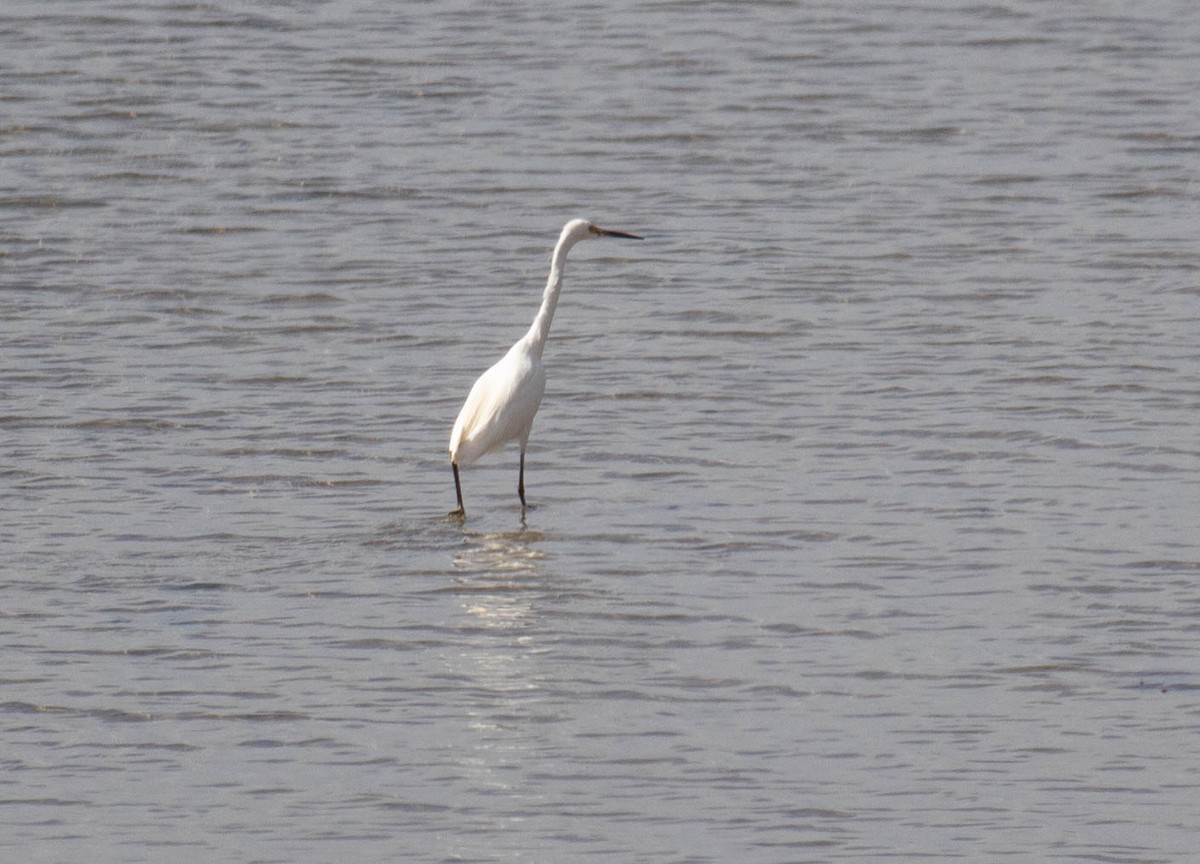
521	480
457	491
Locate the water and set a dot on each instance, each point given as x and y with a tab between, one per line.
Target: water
866	487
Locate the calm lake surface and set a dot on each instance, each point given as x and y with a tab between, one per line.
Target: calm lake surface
867	487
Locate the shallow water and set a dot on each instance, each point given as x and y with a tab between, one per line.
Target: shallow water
865	487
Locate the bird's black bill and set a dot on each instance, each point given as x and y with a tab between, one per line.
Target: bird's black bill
604	232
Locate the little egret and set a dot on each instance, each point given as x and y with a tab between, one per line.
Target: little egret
501	405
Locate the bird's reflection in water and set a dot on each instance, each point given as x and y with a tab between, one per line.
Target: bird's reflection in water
498	661
499	577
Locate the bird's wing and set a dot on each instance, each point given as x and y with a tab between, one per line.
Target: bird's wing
499	408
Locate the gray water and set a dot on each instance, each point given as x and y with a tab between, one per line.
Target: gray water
866	487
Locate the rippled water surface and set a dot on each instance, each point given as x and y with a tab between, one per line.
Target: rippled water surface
866	487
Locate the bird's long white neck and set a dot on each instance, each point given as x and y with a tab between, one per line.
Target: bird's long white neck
539	331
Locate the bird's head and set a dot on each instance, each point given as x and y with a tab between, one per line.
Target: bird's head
581	229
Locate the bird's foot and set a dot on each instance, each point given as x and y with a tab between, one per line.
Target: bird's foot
457	514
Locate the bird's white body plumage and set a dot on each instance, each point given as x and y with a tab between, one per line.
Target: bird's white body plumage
500	407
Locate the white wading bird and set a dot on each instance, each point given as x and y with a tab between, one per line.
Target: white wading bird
501	405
